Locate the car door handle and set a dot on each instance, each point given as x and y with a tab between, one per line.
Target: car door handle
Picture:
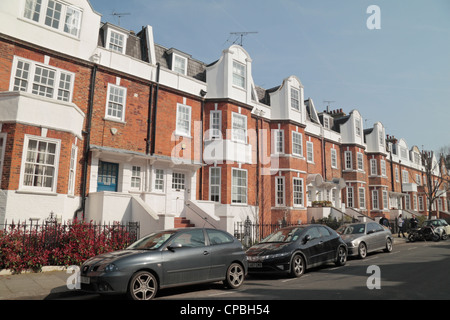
205	253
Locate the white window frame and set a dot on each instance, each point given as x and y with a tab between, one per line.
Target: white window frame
159	180
362	197
334	158
421	203
405	176
239	192
69	22
297	144
373	167
239	74
350	197
295	99
407	202
297	192
397	175
278	137
385	200
348	160
55	165
360	161
383	168
239	134
179	63
136	177
358	127
215	124
375	204
178	181
280	192
215	195
72	170
120	103
114	45
184	116
309	151
27	79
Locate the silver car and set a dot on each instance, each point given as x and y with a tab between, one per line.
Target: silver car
364	237
167	259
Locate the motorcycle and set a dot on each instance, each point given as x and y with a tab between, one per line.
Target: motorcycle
426	233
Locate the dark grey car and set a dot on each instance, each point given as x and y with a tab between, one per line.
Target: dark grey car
365	237
167	259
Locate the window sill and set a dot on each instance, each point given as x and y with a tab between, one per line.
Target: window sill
114	120
37	192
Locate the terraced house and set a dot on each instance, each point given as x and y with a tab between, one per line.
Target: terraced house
102	123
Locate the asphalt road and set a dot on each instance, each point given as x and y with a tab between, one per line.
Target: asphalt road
412	271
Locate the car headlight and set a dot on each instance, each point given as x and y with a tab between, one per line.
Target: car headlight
274	256
111	267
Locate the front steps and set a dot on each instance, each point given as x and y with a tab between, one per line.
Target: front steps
182	222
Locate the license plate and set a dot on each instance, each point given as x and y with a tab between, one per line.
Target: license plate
255	265
85	280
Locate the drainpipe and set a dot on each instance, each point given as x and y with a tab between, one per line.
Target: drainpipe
200	191
155	108
149	122
87	144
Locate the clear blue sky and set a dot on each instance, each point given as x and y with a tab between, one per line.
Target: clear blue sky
398	75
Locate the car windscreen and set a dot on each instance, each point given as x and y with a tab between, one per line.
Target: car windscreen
283	235
152	241
352	229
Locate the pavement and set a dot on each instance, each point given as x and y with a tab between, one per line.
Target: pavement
51	283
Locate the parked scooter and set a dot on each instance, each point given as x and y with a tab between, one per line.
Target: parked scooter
426	233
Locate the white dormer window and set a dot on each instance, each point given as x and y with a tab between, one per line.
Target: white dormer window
358	127
55	15
381	138
239	74
295	99
116	41
179	64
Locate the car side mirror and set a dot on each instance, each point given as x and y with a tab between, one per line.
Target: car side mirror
175	245
306	238
370	231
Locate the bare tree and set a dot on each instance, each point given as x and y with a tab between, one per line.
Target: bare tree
436	177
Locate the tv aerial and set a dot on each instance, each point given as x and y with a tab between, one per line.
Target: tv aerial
120	15
241	36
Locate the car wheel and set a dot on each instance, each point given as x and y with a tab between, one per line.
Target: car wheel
235	276
297	266
411	237
341	256
444	235
362	250
143	286
389	246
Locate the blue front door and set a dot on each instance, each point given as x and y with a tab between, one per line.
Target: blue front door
107	176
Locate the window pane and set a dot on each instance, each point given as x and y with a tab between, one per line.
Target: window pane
32	9
43	82
239	186
40	164
116	42
53	14
72	21
238	74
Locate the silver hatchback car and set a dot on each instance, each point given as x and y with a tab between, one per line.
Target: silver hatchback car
364	237
167	259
